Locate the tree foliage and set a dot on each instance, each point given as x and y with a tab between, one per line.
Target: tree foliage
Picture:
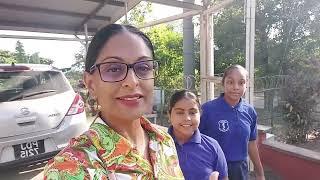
301	96
168	51
137	15
287	43
6	57
229	36
19	56
282	27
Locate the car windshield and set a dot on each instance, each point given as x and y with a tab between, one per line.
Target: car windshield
31	84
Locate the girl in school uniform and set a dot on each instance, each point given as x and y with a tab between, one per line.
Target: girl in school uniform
200	156
233	123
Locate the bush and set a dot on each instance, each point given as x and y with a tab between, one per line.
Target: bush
300	96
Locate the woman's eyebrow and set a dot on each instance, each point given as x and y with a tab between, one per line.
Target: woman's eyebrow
143	57
112	57
122	60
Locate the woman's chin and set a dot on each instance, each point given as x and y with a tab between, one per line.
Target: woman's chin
132	115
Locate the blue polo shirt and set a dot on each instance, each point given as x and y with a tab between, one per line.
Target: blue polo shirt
232	127
200	156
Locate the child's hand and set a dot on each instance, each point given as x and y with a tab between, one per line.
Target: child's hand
214	175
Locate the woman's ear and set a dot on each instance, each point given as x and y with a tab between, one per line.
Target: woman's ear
88	81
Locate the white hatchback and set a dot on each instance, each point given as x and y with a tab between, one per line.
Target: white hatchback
39	113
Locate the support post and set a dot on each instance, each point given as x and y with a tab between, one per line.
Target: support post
203	52
250	37
188	51
210	55
206	56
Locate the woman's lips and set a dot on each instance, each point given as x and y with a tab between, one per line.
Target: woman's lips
130	100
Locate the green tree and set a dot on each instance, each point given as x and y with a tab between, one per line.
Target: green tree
229	37
6	57
282	26
35	58
76	72
137	15
20	54
287	34
168	51
79	59
301	95
46	61
285	30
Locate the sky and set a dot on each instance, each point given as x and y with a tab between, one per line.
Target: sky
62	52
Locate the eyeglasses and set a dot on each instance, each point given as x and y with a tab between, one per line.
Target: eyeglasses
117	71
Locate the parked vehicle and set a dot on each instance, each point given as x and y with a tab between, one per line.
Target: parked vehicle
39	113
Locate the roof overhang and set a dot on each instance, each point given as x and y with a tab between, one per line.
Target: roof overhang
70	16
61	16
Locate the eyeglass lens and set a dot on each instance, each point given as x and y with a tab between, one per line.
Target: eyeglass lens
114	71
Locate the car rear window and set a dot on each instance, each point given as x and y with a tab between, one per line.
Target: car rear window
31	84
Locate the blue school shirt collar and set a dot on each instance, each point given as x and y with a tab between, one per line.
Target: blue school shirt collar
196	137
239	106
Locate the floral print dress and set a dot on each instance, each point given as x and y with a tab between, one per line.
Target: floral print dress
102	153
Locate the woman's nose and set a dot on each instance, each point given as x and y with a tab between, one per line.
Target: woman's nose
131	79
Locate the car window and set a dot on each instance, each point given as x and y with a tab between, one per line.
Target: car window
22	84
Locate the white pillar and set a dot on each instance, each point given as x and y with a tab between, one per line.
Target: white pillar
203	51
210	56
250	37
206	56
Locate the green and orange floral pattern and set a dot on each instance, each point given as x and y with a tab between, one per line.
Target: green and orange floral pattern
101	154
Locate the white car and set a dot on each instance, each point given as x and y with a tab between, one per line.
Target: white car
39	113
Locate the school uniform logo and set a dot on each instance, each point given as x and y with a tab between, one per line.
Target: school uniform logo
223	125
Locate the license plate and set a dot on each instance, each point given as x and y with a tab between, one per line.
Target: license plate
28	149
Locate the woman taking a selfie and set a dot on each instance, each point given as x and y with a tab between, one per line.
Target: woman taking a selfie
121	143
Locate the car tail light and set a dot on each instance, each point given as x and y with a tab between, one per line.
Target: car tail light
77	106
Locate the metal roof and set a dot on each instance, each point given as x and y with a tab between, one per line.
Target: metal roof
61	16
69	16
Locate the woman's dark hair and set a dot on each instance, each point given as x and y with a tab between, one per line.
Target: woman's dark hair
102	37
180	94
230	69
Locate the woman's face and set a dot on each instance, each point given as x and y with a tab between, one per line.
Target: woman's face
185	117
235	85
132	97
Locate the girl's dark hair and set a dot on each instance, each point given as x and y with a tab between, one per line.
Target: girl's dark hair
102	37
230	69
178	95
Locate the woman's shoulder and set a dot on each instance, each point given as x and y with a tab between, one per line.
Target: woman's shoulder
73	159
77	147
